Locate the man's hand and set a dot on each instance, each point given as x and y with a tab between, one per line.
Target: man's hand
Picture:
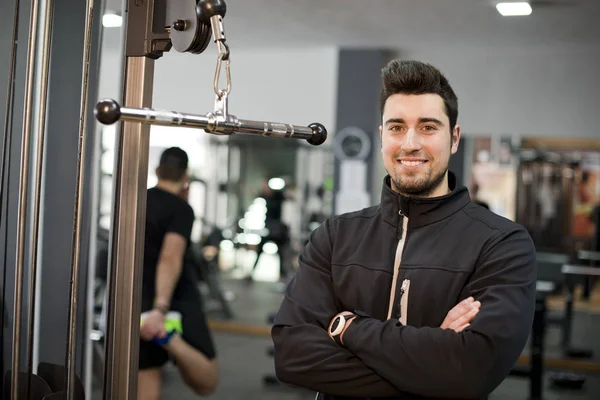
461	315
209	252
153	326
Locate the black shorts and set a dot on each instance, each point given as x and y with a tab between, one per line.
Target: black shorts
195	332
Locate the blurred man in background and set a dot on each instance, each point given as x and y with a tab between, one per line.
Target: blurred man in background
173	322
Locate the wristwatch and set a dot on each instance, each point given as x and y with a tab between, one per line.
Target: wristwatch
337	327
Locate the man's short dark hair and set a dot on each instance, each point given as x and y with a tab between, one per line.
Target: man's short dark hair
416	77
173	164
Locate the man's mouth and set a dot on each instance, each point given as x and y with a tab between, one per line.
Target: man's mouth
412	163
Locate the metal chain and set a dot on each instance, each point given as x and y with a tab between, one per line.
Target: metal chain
223	56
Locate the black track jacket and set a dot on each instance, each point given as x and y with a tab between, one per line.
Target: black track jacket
404	264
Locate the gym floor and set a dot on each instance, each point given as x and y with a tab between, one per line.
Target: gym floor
242	345
243	363
244	360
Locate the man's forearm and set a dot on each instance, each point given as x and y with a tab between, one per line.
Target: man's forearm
435	362
306	356
167	276
430	362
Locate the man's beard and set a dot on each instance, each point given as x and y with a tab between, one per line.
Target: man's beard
420	187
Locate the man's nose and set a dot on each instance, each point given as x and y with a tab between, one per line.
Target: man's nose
411	141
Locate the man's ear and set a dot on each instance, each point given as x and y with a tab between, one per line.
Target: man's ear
380	137
455	139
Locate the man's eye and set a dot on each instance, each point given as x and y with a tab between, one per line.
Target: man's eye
396	128
430	128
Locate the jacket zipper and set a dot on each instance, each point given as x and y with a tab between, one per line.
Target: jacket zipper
397	261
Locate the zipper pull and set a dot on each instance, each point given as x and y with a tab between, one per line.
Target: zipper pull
400	229
402	290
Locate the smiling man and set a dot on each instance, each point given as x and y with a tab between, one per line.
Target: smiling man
424	296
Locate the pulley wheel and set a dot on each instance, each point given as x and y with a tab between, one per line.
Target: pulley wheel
187	33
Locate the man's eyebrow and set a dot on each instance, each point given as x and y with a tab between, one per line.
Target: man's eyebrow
394	121
421	121
434	120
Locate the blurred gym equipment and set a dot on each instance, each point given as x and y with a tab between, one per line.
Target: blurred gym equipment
544	199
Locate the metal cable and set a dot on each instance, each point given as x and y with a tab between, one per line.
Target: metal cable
23	189
76	241
41	133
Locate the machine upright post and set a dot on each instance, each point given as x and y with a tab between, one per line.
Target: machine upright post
145	39
71	352
127	239
536	373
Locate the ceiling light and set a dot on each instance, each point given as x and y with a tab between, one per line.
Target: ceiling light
276	183
512	9
112	20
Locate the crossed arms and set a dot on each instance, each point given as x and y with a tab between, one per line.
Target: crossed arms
387	359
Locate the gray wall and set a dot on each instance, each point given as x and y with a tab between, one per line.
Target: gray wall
537	91
271	84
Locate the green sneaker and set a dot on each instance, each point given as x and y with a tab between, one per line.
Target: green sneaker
172	325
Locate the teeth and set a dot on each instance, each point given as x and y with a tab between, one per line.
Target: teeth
412	163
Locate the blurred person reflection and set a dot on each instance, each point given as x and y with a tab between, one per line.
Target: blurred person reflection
274	194
173	324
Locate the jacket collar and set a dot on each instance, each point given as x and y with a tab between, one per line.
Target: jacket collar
422	211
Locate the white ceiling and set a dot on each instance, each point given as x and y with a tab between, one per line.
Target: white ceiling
404	24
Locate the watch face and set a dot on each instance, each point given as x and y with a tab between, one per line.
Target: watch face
335	324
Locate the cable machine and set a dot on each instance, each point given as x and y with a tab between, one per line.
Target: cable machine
152	27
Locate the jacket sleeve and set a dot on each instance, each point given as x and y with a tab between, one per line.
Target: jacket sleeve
305	355
435	362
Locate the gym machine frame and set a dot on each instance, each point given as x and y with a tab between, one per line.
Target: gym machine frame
152	28
25	384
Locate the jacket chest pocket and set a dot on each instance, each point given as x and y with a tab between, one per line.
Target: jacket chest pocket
357	287
430	293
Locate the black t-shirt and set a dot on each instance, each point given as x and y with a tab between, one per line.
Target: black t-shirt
165	213
274	205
